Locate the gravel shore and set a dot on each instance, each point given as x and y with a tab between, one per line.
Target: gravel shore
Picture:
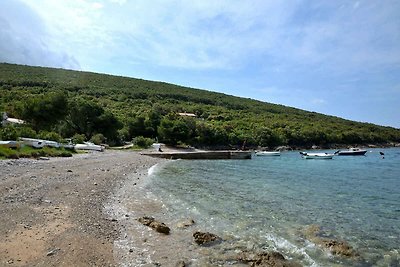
53	211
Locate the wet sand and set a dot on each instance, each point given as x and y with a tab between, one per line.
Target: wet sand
52	212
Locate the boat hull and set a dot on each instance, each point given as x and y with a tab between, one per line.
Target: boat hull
352	153
316	155
89	147
268	153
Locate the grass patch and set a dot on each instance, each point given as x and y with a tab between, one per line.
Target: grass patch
29	152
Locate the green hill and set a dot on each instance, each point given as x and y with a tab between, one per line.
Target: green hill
63	103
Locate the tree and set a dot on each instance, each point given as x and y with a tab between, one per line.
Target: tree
140	126
172	130
44	111
88	118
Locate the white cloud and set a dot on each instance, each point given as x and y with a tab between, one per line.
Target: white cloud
227	35
120	2
30	44
97	5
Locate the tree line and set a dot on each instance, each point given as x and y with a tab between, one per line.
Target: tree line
60	104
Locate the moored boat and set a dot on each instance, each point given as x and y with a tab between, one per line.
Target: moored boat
354	151
268	153
306	155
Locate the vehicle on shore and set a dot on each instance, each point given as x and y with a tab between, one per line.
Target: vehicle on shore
353	151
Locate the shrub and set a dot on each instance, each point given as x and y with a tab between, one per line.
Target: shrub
8	133
78	138
26	131
49	136
98	139
142	142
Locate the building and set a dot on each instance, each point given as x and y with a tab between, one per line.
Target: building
184	114
6	120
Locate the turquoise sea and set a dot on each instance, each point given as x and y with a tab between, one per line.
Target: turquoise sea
267	203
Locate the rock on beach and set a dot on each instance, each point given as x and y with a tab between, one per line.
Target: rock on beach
158	226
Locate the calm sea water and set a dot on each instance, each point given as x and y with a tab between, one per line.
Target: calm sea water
268	202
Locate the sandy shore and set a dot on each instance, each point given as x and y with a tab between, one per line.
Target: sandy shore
53	212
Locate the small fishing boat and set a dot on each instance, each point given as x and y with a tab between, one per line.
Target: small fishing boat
354	151
306	155
35	143
89	146
268	153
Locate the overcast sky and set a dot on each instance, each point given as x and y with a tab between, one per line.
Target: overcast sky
337	57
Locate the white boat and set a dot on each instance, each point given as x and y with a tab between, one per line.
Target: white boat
353	151
89	146
306	155
51	143
268	153
36	143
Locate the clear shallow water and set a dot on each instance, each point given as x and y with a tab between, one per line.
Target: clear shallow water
268	202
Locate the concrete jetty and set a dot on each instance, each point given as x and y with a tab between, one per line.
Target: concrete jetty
223	154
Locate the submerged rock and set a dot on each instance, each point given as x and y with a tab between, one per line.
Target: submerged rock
339	247
158	226
270	259
315	234
205	238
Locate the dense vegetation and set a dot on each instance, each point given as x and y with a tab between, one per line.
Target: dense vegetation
60	103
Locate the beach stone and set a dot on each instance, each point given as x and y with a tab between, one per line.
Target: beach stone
180	264
52	252
205	238
158	226
185	224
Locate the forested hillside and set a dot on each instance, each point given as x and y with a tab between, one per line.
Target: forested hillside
60	103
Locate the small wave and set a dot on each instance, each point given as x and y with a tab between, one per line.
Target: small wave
157	167
152	170
285	245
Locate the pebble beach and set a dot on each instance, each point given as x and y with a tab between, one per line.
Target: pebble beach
53	211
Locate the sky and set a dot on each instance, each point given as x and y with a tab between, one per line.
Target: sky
340	58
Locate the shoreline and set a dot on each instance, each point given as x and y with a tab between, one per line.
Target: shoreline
84	210
53	212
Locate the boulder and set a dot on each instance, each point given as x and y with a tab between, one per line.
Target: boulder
158	226
205	238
